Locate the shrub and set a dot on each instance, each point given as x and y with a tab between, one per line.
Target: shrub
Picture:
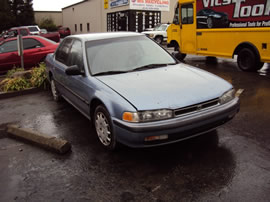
36	79
48	24
12	71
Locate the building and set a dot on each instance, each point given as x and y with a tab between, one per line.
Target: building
56	16
117	15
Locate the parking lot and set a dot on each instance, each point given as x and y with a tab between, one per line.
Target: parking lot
231	164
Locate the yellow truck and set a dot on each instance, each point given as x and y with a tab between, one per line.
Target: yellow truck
223	28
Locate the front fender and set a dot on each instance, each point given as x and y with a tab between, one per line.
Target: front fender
115	103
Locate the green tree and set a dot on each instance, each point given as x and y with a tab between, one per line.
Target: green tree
7	20
22	12
48	24
27	16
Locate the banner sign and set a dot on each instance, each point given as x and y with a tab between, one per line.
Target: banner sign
106	4
150	5
117	3
233	13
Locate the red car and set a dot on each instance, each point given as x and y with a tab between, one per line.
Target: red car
36	49
64	31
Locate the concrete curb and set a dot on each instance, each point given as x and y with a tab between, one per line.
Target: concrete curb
52	143
22	92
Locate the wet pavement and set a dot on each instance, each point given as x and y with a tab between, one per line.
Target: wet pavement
231	164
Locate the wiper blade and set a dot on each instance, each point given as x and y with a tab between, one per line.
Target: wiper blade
150	66
109	73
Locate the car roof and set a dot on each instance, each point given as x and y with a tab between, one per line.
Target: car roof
105	35
25	37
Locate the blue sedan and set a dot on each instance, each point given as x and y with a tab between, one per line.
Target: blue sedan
136	93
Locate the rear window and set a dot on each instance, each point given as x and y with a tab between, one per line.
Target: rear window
33	29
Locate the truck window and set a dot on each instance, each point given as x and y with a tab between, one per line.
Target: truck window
176	15
187	14
23	32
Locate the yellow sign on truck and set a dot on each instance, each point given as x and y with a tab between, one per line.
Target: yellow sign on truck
223	28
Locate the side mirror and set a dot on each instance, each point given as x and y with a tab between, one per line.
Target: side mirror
73	70
175	20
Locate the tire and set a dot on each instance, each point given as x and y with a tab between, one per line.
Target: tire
248	61
104	128
55	93
159	39
209	23
179	56
42	59
260	65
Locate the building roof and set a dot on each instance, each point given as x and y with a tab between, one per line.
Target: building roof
47	11
75	4
105	35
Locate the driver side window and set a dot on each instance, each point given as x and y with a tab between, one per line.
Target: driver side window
62	52
176	15
75	56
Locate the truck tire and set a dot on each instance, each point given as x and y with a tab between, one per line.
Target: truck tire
179	56
159	39
248	61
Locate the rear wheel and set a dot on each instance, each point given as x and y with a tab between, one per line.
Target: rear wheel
55	93
248	61
103	128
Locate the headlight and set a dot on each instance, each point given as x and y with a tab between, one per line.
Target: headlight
151	35
227	97
146	116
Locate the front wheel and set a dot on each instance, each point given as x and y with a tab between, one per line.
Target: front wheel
159	39
178	55
103	128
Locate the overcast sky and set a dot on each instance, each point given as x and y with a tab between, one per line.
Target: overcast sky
52	5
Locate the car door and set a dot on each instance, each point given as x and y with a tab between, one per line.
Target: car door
187	28
60	65
79	91
9	55
33	52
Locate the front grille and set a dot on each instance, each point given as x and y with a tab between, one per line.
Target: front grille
196	107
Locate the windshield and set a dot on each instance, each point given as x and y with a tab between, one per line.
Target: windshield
125	54
161	28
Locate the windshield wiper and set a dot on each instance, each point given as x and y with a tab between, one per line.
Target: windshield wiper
109	73
150	66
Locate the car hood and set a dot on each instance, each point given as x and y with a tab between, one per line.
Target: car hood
167	87
153	32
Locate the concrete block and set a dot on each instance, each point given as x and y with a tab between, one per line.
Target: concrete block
52	143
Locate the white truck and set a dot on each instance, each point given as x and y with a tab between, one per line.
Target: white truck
159	33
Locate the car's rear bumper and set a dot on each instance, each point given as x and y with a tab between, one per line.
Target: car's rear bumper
177	129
